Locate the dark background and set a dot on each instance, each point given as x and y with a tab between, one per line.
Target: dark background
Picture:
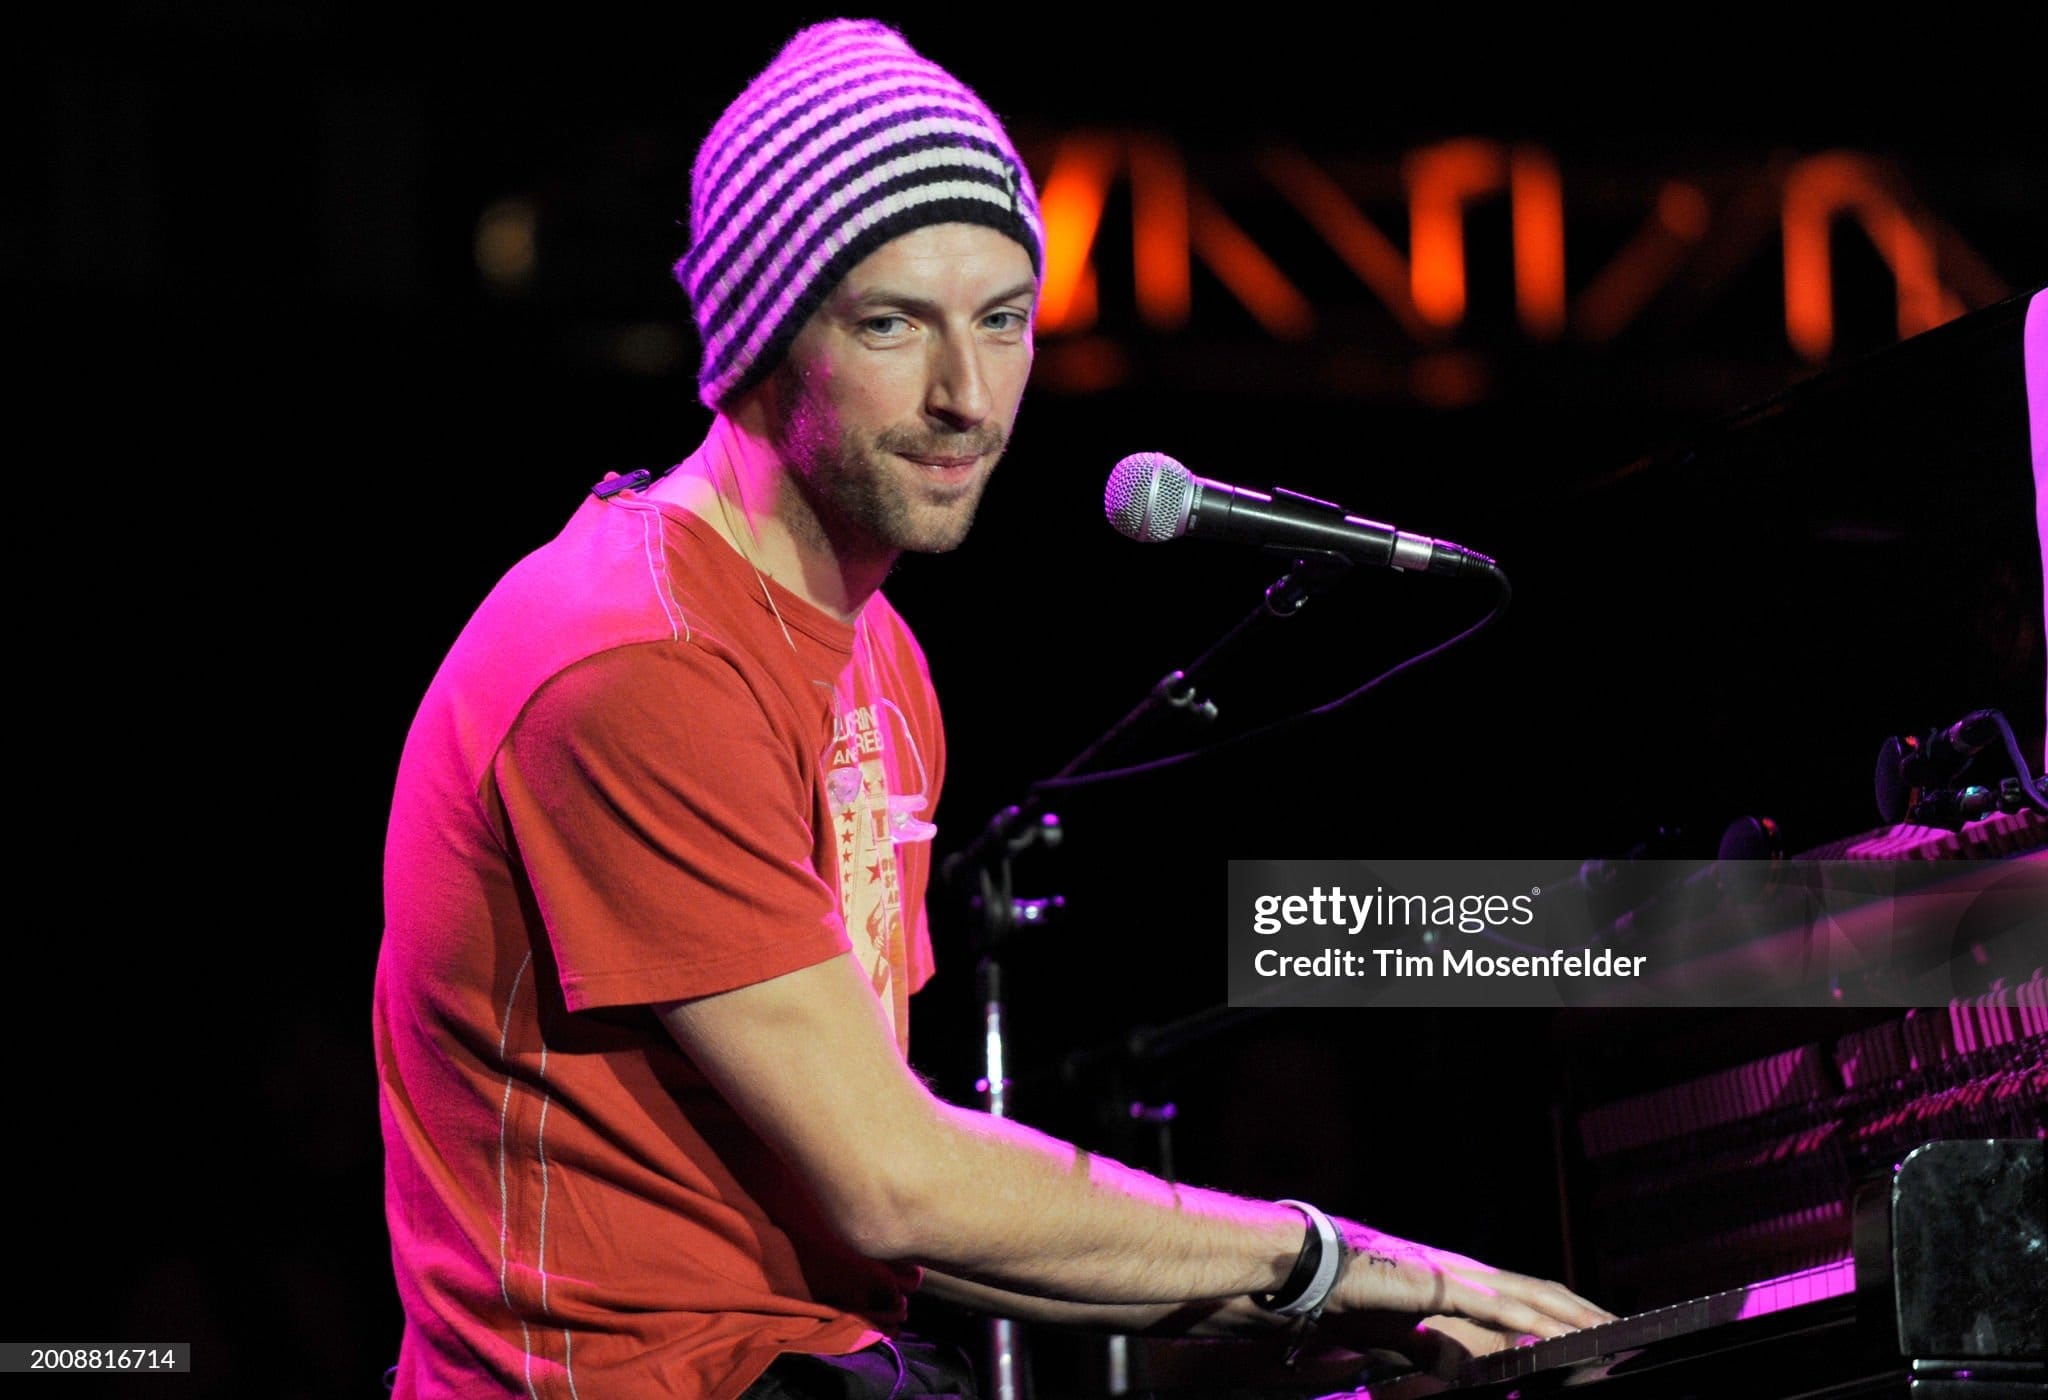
282	436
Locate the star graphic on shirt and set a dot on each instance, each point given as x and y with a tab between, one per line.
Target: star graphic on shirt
874	872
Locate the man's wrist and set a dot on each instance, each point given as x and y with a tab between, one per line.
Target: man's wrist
1317	1267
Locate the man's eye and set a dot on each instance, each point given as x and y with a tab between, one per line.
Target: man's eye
1005	320
884	325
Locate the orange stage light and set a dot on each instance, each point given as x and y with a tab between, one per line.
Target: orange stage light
1620	290
1536	205
1071	203
1816	190
1365	250
1159	234
1440	179
1249	274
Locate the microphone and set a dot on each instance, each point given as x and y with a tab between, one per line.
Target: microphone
1151	497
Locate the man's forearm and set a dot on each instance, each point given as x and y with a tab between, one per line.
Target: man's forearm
1220	1317
1003	1203
1190	1344
808	1058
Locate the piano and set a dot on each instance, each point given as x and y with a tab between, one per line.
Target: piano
1945	1294
1862	1215
1859	1211
1859	1215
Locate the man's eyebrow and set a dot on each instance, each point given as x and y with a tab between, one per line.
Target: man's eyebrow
925	306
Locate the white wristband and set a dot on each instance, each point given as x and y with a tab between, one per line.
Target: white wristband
1327	1267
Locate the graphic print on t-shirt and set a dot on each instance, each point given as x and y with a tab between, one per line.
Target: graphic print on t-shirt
870	890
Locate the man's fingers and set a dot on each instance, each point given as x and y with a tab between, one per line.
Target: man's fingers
1578	1310
1553	1300
1442	1345
1561	1303
1517	1316
1408	1277
1515	1304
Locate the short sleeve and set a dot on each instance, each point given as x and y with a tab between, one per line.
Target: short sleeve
663	820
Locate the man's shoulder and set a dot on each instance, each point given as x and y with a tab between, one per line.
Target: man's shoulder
604	598
619	573
603	578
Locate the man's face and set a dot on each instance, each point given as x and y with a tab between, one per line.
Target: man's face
898	395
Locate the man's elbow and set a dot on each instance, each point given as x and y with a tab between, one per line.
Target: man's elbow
887	1208
913	1194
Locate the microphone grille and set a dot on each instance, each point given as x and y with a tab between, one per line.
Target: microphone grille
1148	497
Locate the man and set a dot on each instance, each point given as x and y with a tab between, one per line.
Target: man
657	858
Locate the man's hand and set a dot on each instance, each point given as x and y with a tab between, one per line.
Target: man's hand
1442	1345
1390	1283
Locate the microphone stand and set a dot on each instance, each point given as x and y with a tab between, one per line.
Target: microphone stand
1122	1107
1006	832
987	861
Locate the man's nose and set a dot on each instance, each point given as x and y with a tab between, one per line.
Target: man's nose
957	392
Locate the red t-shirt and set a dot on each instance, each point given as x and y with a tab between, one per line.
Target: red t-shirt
633	781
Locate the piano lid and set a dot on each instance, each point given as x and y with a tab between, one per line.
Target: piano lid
1733	623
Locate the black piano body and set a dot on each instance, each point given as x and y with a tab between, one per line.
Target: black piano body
1946	1295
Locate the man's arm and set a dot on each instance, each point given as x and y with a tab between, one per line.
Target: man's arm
809	1060
1332	1357
1211	1317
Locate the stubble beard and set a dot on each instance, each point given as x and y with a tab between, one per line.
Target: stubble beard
862	499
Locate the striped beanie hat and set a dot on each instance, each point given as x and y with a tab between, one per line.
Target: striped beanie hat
848	139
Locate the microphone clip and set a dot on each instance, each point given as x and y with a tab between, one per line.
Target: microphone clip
1313	571
636	480
1177	692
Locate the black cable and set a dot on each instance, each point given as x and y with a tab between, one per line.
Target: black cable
1156	765
2019	763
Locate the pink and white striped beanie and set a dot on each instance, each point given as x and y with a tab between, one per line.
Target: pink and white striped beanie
848	139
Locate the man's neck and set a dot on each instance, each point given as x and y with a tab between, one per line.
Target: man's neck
737	483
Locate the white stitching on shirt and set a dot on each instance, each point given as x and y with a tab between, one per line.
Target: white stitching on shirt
504	1198
657	566
540	1147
